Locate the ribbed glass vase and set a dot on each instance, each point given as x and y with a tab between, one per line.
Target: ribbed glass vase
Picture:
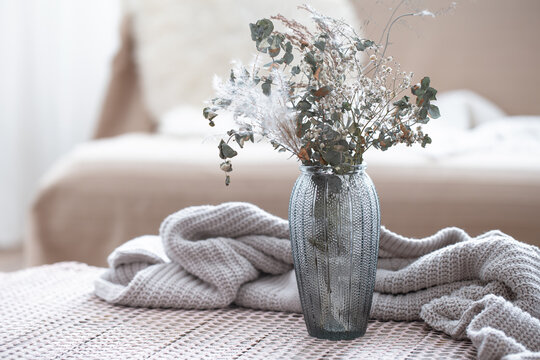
334	225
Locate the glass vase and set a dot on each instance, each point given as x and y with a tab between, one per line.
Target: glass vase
334	225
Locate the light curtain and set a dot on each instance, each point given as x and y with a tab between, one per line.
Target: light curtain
54	65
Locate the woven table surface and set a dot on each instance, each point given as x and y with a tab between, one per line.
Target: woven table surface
49	312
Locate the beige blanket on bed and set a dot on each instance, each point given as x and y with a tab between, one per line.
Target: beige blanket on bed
486	288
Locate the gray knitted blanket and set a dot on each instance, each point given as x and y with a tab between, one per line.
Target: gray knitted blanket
485	288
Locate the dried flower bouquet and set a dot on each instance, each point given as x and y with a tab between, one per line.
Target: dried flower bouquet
326	95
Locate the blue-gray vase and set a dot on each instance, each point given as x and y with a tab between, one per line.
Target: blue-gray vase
334	225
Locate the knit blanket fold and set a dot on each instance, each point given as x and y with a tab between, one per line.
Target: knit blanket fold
485	288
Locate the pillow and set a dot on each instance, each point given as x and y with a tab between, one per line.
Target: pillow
465	109
188	122
181	44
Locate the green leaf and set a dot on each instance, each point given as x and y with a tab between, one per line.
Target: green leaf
305	127
345	106
267	87
336	116
226	166
321	45
423	113
310	59
303	105
343	168
239	140
430	93
415	90
261	29
288	47
402	103
295	70
423	119
362	45
333	157
425	82
434	112
288	58
426	140
227	180
209	114
368	43
225	151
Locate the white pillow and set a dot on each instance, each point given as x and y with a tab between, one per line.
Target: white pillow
188	122
465	109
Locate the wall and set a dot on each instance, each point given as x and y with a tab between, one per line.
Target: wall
489	46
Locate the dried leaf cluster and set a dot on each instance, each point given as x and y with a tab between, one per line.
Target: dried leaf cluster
326	95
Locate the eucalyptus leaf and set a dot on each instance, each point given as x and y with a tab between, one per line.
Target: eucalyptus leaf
225	151
430	93
226	166
266	87
261	29
426	140
434	112
310	59
239	140
288	58
403	103
303	105
321	45
333	157
288	47
425	82
208	113
422	116
362	45
336	117
359	46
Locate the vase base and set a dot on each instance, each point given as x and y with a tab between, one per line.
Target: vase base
336	335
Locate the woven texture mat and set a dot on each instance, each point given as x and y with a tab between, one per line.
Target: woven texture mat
49	312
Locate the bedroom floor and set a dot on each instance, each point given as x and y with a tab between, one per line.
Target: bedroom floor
11	260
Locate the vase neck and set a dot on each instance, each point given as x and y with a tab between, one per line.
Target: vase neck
355	169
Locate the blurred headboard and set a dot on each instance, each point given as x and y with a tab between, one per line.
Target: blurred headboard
488	46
